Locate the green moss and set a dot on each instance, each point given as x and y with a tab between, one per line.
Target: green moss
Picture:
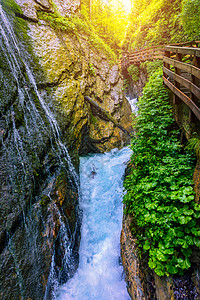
44	200
20	25
93	120
92	69
19	115
77	25
11	7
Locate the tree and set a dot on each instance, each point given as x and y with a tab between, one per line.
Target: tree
191	18
154	22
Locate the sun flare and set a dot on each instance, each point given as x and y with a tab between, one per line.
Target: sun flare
126	4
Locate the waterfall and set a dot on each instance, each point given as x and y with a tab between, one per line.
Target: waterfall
9	40
29	125
100	272
133	103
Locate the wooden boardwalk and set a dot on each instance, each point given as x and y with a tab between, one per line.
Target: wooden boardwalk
181	70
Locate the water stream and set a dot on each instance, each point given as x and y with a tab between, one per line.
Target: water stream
33	138
100	273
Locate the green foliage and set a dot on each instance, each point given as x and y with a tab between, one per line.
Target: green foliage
191	18
93	120
194	144
126	84
11	7
152	66
92	69
159	194
56	21
134	72
109	20
157	22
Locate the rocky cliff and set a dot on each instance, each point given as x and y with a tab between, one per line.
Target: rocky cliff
60	97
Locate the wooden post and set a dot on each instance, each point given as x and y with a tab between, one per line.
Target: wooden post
196	81
167	54
178	72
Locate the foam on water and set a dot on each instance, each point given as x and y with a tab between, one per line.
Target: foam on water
133	102
100	273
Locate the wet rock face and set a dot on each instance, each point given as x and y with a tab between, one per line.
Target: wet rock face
140	282
143	283
134	89
43	113
73	70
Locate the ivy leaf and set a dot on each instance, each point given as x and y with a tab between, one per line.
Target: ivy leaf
186	264
197	242
161	256
169	251
152	264
185	199
159	272
146	245
184	220
197	215
187	252
189	240
180	234
195	231
197	207
172	270
188	190
192	224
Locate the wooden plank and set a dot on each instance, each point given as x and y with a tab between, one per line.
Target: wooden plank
184	50
183	66
183	97
188	84
137	54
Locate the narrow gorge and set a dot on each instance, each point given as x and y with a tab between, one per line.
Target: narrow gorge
70	131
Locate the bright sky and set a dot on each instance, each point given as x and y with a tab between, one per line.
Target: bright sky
116	3
127	4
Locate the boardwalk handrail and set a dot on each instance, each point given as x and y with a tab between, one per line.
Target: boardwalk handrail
150	53
181	70
183	78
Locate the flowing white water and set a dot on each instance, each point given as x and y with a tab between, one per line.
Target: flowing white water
133	102
100	273
14	56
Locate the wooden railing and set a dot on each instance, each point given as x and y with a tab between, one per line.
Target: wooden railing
150	53
181	70
181	74
139	56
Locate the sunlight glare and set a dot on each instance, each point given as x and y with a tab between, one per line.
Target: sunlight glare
127	5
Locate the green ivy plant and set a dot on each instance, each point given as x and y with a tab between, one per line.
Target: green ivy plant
152	66
134	72
160	194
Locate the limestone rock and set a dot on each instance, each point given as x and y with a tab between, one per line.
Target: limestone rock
67	7
114	75
39	191
29	8
74	70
